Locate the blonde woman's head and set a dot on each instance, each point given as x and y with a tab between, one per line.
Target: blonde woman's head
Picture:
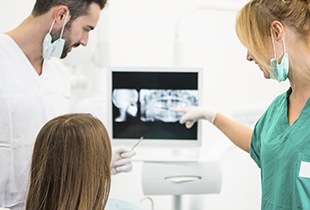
255	20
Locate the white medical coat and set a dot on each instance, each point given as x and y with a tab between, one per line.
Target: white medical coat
27	102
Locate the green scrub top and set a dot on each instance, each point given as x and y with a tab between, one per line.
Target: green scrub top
283	154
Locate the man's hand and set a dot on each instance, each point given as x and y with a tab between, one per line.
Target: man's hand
121	159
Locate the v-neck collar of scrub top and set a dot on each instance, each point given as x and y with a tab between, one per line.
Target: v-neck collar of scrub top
18	69
28	70
305	112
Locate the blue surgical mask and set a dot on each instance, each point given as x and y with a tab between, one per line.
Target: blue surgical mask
278	71
53	49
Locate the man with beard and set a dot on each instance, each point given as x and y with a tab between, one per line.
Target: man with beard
34	86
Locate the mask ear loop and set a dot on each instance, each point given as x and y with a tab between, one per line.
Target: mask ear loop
273	45
283	42
63	27
52	26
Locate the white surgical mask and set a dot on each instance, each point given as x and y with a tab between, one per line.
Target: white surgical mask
278	71
53	49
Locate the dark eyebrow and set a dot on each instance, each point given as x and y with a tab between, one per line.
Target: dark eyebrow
90	27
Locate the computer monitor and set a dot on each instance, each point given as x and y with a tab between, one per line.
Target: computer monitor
140	104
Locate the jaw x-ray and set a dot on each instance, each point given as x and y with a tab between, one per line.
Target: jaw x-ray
156	103
141	103
153	104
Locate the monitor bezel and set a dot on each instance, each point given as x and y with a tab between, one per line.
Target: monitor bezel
170	143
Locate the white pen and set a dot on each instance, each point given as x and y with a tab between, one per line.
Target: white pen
138	142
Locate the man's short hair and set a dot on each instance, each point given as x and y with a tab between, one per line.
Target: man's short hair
77	7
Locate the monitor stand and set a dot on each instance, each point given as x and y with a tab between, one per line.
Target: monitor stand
177	202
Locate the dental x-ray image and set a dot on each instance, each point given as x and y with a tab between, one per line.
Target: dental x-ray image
156	104
141	102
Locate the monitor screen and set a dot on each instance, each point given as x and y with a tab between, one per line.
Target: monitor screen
141	99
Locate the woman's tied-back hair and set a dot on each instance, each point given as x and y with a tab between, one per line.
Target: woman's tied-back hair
77	8
254	23
70	167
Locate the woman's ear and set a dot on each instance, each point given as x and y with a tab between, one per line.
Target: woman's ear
277	29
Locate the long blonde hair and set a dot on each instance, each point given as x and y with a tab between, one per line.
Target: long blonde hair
254	20
70	167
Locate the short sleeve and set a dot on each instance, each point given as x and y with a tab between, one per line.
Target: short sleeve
255	147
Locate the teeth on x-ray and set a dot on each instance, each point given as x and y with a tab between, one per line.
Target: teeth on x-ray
156	103
126	102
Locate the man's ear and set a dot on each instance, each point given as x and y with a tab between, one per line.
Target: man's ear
277	29
60	14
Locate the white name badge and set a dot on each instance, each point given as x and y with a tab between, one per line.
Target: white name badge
304	169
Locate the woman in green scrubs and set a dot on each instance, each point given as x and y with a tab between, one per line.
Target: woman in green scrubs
276	34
